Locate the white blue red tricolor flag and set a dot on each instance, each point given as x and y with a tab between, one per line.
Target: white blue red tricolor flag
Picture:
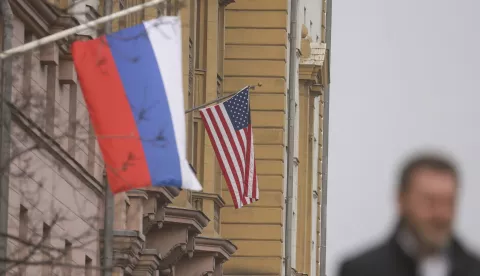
132	84
229	128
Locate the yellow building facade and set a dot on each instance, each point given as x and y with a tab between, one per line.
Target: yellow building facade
228	45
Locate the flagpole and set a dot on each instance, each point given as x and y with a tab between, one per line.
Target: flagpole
109	199
68	32
326	123
252	87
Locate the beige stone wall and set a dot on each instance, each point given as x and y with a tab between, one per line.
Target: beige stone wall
59	183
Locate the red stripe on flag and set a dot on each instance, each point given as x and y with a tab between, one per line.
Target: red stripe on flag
207	121
230	133
254	182
228	157
247	161
102	87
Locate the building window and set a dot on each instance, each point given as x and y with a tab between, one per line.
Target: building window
46	233
67	259
88	266
50	106
72	119
122	21
195	146
197	203
27	76
190	67
91	149
22	234
167	8
216	218
23	227
200	34
127	210
304	16
219	85
221	39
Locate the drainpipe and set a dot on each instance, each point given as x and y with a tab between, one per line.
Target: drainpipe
6	85
292	80
326	120
109	200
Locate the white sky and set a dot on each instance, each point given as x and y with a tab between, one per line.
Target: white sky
405	75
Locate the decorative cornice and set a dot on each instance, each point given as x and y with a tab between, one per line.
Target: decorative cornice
215	197
151	219
148	263
194	218
166	193
127	246
172	256
175	239
182	246
44	18
309	72
37	23
209	256
296	273
137	193
154	206
313	66
221	246
225	2
316	89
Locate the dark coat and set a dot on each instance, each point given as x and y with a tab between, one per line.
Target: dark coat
389	259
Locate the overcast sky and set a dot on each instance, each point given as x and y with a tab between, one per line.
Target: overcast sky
405	76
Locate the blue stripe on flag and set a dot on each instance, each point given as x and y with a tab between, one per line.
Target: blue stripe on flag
142	81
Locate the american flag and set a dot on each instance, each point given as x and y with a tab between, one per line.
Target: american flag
230	131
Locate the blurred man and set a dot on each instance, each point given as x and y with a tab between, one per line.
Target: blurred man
422	243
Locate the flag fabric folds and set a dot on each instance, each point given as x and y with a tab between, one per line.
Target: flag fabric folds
229	128
132	85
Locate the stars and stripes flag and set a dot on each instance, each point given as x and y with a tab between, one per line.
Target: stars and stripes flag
229	128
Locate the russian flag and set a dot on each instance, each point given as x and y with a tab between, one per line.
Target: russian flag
132	84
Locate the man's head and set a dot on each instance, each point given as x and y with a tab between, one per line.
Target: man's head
427	195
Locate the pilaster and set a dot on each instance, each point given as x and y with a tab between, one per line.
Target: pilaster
135	210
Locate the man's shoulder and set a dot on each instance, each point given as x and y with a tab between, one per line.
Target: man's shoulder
365	260
466	255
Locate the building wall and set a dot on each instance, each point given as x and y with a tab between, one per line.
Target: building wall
256	52
55	192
